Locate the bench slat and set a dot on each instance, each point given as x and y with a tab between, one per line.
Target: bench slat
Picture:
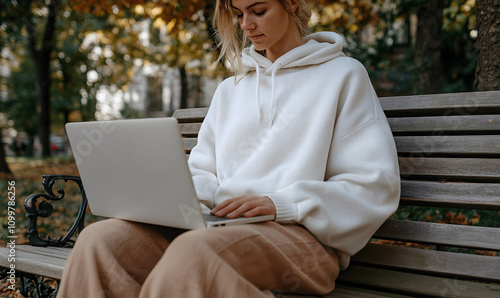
343	291
484	238
55	252
189	129
448	145
36	262
419	145
464	169
447	104
458	124
440	168
346	291
467	103
190	115
449	194
189	144
481	124
415	284
431	261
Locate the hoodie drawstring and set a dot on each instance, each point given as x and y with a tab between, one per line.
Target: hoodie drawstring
257	89
272	110
257	70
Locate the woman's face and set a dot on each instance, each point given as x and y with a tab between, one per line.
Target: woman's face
268	26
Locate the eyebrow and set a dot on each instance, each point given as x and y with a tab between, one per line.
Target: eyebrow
249	6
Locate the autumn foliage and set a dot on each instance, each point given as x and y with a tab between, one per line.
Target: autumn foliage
170	11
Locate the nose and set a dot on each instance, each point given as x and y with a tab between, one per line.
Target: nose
247	23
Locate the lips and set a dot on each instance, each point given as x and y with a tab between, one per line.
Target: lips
255	36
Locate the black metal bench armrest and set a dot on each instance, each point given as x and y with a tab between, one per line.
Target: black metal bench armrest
45	209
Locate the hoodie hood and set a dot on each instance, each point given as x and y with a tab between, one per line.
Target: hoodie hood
317	48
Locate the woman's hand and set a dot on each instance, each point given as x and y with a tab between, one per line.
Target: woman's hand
247	206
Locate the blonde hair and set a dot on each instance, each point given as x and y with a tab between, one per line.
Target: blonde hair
231	40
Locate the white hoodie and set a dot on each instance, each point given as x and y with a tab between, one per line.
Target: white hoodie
308	132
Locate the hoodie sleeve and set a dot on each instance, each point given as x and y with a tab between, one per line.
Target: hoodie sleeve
362	185
202	161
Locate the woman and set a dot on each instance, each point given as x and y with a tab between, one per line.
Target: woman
297	133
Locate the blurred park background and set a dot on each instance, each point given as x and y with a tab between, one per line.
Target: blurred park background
81	60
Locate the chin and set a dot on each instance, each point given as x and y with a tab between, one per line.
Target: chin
259	48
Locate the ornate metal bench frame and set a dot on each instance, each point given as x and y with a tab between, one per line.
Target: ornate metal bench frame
37	286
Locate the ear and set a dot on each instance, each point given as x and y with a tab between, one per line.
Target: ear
294	5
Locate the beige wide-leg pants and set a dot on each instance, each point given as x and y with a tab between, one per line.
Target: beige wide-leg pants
116	258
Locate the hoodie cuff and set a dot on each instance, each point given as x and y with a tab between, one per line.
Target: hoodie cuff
286	211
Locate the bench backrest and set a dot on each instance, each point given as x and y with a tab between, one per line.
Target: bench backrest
449	156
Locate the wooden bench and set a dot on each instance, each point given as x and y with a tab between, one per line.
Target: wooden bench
449	154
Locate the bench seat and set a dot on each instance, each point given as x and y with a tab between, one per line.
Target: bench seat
449	156
43	261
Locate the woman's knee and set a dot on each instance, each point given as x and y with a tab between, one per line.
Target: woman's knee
109	232
213	239
194	247
193	239
206	246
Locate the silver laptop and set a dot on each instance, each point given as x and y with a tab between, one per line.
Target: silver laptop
137	170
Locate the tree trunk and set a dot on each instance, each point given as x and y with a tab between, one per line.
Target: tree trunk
184	87
43	104
488	45
428	48
41	58
4	167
